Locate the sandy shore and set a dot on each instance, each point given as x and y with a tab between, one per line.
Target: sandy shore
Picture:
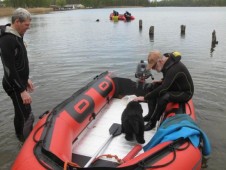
8	11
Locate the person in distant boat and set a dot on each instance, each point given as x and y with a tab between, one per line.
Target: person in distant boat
127	15
115	13
16	82
175	86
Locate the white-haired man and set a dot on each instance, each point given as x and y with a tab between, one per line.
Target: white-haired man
176	85
16	82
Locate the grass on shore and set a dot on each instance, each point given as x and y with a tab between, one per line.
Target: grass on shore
8	11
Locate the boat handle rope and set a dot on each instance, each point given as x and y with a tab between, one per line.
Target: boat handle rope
142	164
70	164
92	117
108	99
173	149
35	133
40	142
43	114
120	161
189	108
181	149
45	123
41	162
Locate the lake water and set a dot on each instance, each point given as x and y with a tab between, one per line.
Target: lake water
67	49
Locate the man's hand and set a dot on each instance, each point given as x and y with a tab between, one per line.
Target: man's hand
140	98
157	82
26	97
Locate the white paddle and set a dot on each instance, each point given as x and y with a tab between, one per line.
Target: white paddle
114	130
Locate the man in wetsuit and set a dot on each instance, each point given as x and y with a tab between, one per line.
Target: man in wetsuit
175	86
16	82
127	15
115	13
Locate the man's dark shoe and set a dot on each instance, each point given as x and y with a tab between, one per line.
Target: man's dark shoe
149	126
147	118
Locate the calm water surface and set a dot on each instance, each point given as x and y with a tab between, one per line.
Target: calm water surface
67	49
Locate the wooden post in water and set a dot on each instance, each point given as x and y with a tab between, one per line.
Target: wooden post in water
214	38
182	27
140	24
214	42
151	31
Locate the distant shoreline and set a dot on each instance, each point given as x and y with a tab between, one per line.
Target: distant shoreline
4	12
124	7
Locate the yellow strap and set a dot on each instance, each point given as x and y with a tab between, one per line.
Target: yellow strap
176	54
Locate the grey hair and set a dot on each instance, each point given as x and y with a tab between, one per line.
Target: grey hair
21	14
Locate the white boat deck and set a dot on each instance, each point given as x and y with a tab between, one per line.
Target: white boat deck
96	134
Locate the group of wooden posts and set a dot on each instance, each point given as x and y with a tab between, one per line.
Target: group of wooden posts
183	27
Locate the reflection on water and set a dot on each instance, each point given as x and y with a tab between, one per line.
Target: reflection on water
212	49
151	37
182	35
68	48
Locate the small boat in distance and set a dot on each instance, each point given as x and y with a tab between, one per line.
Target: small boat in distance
115	16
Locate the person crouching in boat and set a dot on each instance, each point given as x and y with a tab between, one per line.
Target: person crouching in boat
175	86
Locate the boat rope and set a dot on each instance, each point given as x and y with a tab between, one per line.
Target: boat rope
181	149
43	114
142	163
35	133
40	142
108	99
205	160
41	162
92	117
189	108
166	164
173	149
120	161
70	164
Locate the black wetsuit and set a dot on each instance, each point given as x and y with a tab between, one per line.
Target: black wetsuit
177	86
16	73
127	16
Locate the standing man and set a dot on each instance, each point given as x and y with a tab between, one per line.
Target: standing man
16	82
176	85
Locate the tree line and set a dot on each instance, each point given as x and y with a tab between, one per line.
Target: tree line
107	3
187	3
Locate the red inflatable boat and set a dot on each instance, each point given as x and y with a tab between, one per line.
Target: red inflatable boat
121	17
69	136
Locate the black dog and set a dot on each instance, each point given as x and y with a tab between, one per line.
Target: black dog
132	122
